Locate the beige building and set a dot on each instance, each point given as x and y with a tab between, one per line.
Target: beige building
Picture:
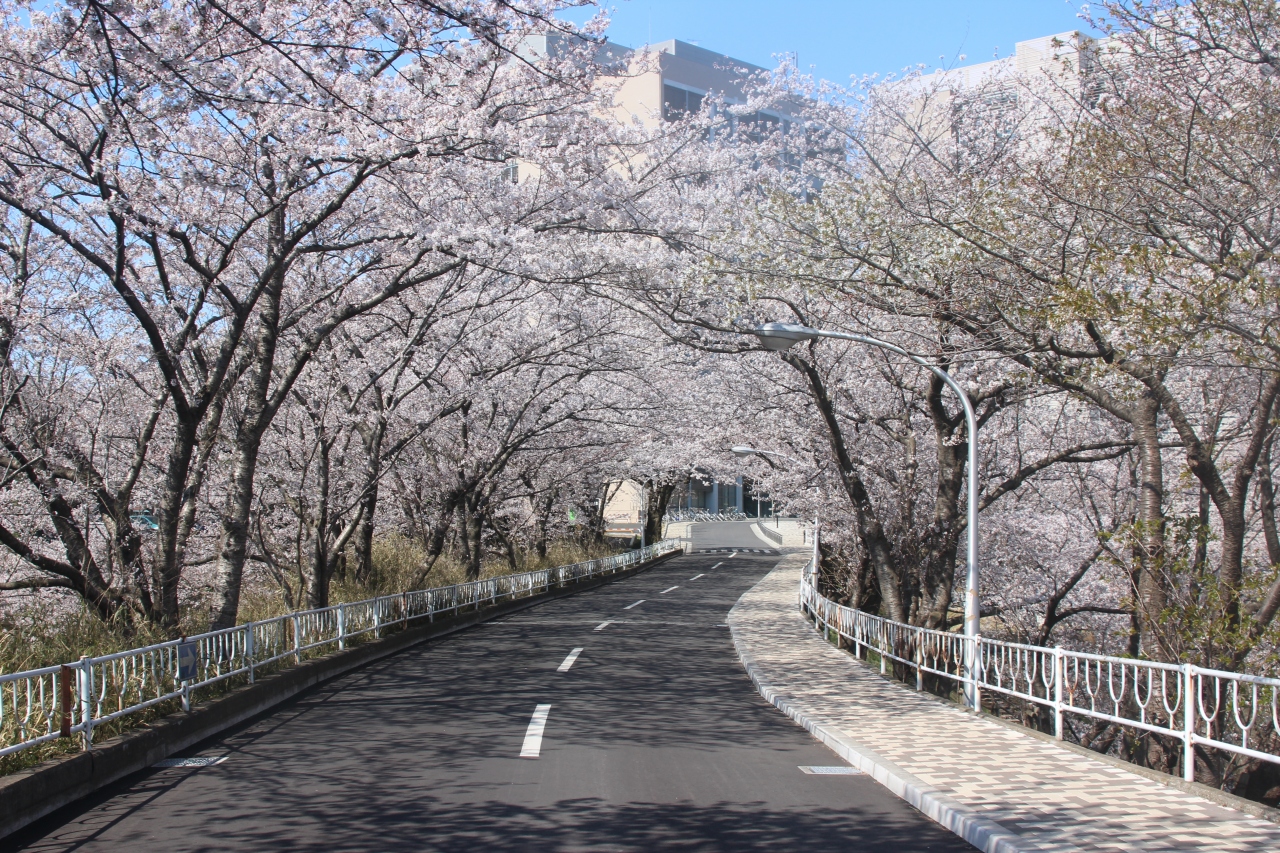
665	80
1070	52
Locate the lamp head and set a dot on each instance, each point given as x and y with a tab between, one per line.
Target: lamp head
783	336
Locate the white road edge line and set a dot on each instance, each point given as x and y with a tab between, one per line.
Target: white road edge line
718	565
568	662
665	591
533	735
629	606
695	577
602	624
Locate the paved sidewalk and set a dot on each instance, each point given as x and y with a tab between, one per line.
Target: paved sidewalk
1001	790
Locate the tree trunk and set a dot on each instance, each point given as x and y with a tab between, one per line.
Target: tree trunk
1149	585
658	498
938	566
543	520
473	534
248	441
371	438
168	566
871	533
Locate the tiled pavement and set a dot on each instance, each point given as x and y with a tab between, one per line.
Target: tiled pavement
999	788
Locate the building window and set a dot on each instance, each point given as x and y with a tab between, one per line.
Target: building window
677	102
511	171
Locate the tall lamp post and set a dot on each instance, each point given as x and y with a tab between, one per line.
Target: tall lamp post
782	336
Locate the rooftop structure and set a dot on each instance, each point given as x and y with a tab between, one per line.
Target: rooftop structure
1069	51
675	82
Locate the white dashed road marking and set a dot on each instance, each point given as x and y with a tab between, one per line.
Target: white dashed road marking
533	735
601	626
718	565
568	662
665	591
629	606
695	577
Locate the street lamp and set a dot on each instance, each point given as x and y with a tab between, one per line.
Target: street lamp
782	336
742	451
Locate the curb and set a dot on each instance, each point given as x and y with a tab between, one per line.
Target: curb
28	795
981	832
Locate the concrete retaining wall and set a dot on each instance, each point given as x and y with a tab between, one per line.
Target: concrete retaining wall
787	532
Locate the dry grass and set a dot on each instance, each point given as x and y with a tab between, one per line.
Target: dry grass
37	635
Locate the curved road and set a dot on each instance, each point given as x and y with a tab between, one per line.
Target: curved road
731	534
654	740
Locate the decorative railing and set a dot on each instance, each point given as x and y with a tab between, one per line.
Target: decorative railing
41	705
678	515
1195	705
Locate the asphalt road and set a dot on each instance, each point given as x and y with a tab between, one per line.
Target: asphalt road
654	740
731	534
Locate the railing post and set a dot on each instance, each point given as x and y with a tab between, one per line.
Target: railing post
297	640
377	618
186	683
1058	663
919	656
249	652
1188	723
85	684
65	700
342	627
976	661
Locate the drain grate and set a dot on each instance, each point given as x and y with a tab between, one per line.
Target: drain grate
190	762
840	770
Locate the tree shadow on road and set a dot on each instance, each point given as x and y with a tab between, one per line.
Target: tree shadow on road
358	823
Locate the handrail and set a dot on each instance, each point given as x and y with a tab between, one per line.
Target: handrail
775	536
678	515
1228	710
41	705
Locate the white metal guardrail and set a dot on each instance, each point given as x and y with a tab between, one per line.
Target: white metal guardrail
1198	706
40	705
773	535
678	515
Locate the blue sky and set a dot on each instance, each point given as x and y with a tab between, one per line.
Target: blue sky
840	38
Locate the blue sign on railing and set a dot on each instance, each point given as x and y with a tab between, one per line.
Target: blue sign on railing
187	659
